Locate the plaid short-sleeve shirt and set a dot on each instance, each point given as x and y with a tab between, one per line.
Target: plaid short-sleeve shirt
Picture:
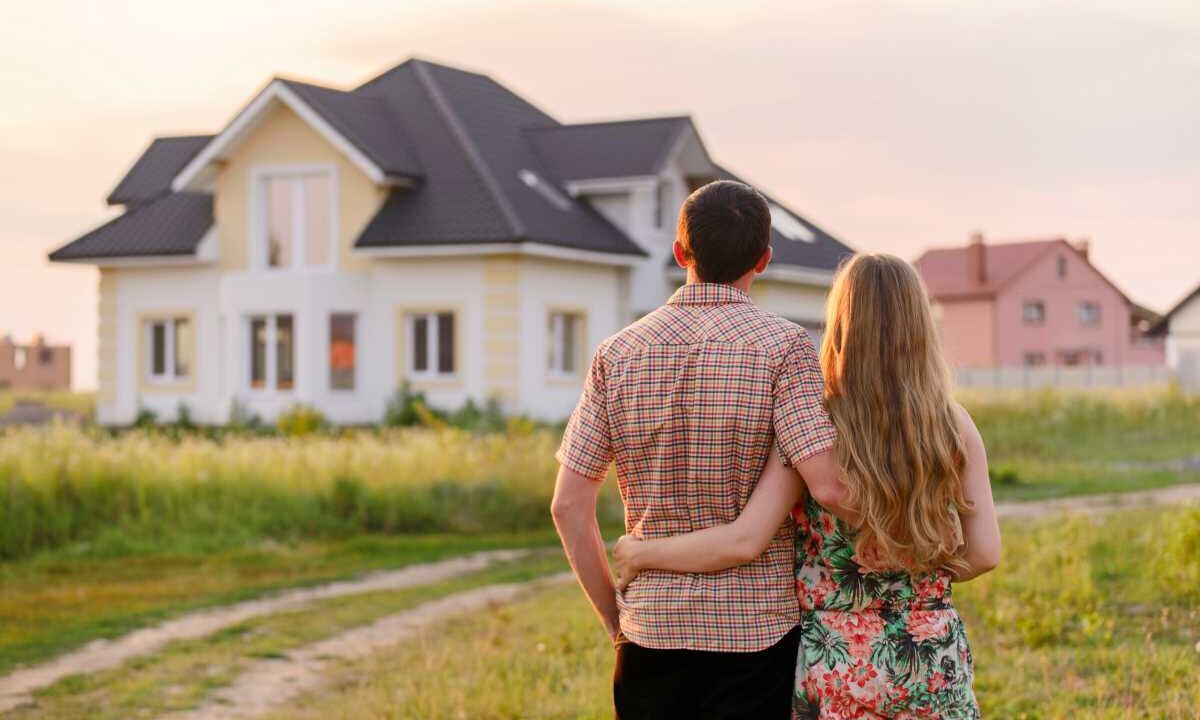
688	401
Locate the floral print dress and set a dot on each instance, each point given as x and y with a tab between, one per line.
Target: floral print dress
874	644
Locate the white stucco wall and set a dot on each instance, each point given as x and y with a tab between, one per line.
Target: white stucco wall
1183	345
546	285
165	291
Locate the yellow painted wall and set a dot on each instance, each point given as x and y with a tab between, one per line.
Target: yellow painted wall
501	327
107	346
283	138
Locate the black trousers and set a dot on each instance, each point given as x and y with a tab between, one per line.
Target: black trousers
665	684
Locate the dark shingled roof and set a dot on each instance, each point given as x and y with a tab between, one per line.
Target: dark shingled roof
366	122
825	252
486	166
153	172
169	225
468	129
628	148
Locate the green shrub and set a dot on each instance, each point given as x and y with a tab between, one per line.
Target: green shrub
300	420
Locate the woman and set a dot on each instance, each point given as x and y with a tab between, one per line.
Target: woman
880	637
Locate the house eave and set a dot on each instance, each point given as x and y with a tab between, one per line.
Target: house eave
531	249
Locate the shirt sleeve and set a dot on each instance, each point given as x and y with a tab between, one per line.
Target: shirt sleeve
586	444
802	425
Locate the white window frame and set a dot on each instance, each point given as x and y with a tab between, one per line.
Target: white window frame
355	326
431	344
260	220
170	375
270	355
556	331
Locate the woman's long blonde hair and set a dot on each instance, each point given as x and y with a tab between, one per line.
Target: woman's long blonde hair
888	392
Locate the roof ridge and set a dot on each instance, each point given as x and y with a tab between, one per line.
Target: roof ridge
596	123
442	105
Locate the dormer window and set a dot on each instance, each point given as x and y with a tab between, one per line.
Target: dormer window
788	226
296	218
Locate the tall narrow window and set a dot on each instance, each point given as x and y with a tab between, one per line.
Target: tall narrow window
565	346
170	348
341	351
272	352
1062	266
660	204
285	345
281	231
432	346
258	353
297	217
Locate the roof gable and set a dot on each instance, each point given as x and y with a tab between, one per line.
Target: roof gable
359	127
946	275
1164	323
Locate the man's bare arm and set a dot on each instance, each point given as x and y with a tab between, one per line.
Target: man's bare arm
823	477
574	511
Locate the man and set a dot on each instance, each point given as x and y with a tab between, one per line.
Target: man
688	401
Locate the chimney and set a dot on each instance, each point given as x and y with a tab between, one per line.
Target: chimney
1083	246
976	267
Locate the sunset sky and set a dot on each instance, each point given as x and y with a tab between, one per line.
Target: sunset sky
896	128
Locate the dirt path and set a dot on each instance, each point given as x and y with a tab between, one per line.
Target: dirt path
1096	504
301	668
272	682
16	688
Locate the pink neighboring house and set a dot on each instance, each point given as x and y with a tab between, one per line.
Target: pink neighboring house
1034	303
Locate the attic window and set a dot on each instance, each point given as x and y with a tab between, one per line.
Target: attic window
545	189
789	226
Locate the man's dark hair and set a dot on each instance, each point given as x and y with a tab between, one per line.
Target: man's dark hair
724	228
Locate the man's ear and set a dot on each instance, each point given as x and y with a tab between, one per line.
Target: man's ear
681	258
764	261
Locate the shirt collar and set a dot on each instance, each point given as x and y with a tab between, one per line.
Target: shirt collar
708	294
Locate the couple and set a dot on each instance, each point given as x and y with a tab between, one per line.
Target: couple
791	539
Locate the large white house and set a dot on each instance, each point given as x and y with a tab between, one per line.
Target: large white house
428	227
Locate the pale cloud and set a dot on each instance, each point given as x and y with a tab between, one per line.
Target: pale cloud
896	126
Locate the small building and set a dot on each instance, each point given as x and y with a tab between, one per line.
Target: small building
36	366
1181	328
428	228
1034	303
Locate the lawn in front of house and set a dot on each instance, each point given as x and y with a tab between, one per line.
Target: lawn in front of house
1086	618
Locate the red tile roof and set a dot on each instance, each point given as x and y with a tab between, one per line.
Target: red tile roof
946	274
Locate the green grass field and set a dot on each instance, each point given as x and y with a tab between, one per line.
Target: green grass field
1088	618
101	532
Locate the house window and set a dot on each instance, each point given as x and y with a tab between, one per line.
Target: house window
19	359
272	352
170	345
431	345
1034	359
45	356
1062	266
1089	313
1033	312
297	219
566	343
341	351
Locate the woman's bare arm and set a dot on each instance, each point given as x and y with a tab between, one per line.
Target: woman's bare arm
981	530
721	546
